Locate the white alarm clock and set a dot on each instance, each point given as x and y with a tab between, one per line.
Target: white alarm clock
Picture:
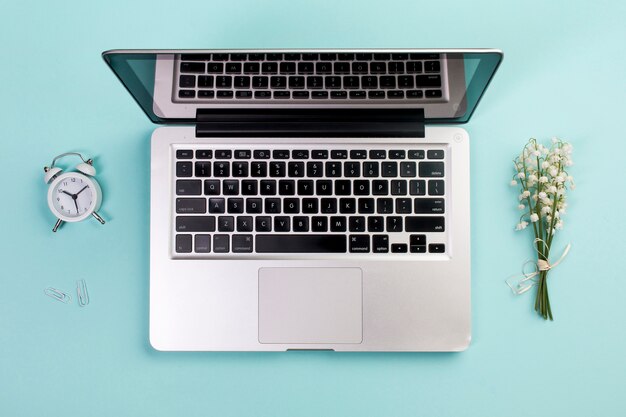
73	196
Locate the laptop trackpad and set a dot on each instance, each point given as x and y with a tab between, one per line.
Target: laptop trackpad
310	305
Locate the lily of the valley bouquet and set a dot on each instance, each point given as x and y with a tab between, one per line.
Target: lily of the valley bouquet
542	173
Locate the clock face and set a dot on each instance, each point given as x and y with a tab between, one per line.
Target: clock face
73	196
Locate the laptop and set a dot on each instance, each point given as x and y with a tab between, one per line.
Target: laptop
309	199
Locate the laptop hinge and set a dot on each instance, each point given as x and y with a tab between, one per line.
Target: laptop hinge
310	122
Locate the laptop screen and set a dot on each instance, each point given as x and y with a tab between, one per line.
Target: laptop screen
171	86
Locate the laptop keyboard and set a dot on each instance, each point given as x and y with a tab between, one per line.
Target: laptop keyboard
349	200
310	77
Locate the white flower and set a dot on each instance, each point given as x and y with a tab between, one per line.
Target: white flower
526	194
534	217
521	207
543	195
532	177
521	225
559	178
553	171
546	209
513	183
552	189
521	175
545	164
559	225
543	179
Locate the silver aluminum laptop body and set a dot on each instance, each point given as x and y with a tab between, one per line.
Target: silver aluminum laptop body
342	301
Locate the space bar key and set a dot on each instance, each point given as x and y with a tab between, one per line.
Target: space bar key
307	243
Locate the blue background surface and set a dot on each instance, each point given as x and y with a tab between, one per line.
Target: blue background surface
563	74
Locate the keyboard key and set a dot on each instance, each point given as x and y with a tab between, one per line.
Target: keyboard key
300	224
338	94
305	187
296	82
240	169
186	94
226	223
361	187
206	94
242	243
398	187
217	205
352	169
287	67
431	169
337	224
310	205
184	154
273	206
221	169
332	82
282	224
378	154
310	57
269	68
263	224
184	169
380	187
192	67
358	94
268	187
395	94
384	205
366	205
274	57
432	66
238	57
403	205
333	169
429	205
303	243
195	57
398	247
233	68
323	187
356	223
278	168
436	187
261	154
251	68
347	205
389	169
202	243
368	81
375	224
256	57
435	154
408	169
286	187
282	94
319	224
278	82
188	187
204	154
424	224
314	169
254	205
345	56
328	57
319	94
341	68
424	56
292	57
235	205
433	93
300	94
263	94
351	82
376	94
414	66
428	81
203	169
436	248
249	187
359	243
324	68
195	224
360	68
378	67
364	56
319	154
291	205
231	187
212	187
205	81
397	154
339	154
243	94
414	94
258	169
187	81
358	154
396	67
221	243
387	82
394	224
183	243
370	169
416	154
417	240
224	94
191	205
215	68
417	187
380	243
295	169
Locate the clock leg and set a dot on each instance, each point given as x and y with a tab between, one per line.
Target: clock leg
57	224
97	216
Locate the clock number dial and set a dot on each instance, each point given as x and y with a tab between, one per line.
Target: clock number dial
73	197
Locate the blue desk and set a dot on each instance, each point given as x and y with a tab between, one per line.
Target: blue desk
563	74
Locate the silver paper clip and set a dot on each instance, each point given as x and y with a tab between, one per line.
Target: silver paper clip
81	291
57	295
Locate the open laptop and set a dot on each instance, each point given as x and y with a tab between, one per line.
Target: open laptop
309	199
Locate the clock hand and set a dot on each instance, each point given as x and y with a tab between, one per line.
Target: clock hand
83	189
65	192
76	204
